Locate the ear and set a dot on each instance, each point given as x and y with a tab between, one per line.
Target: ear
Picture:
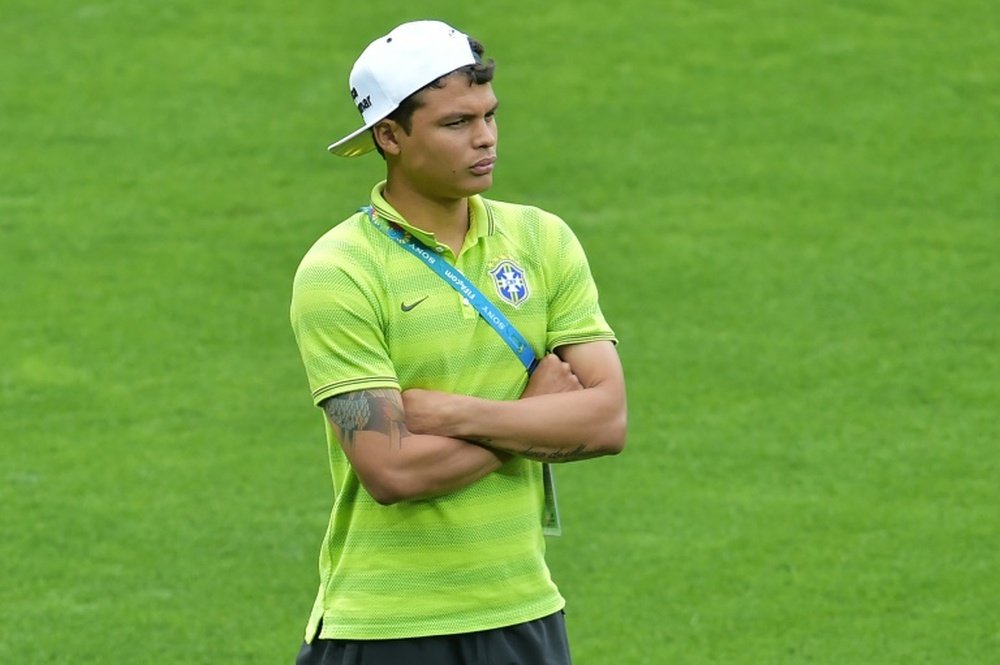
385	134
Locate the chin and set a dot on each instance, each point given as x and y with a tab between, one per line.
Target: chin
480	184
466	188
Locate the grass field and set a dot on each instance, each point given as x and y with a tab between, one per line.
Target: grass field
793	214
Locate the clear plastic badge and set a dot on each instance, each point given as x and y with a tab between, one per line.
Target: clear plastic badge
551	524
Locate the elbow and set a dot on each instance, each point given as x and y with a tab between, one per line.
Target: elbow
609	426
616	446
384	496
389	487
613	441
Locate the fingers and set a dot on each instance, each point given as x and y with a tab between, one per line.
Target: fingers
552	376
564	370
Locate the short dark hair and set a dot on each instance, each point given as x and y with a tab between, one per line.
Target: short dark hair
477	73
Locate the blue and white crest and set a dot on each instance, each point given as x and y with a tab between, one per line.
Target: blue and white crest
511	284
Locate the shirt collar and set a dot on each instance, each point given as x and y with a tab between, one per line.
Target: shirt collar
481	221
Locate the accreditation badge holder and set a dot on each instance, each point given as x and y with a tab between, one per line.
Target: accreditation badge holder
551	524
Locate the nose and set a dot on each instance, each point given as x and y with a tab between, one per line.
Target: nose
485	135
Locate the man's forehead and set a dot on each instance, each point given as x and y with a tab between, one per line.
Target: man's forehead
457	95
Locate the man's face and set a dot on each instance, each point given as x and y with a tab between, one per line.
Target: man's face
451	147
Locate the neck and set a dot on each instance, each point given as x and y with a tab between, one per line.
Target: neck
447	219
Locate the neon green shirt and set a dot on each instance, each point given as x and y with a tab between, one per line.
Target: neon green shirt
367	314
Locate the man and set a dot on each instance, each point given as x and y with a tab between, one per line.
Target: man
437	433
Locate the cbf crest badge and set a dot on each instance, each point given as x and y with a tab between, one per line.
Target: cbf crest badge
510	281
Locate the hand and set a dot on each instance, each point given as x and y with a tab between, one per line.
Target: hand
552	376
425	411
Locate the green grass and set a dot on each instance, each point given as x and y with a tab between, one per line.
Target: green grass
792	213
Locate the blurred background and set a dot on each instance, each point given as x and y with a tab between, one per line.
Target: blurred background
790	208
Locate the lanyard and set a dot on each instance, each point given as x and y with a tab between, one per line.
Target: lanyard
551	524
454	277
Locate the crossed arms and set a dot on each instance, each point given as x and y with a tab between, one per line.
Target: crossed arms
420	443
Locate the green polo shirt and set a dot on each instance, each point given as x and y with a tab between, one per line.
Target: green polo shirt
367	314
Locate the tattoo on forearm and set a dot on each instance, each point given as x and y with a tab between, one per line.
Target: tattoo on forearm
579	453
367	411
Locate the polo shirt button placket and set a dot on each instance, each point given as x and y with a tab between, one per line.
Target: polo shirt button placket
469	312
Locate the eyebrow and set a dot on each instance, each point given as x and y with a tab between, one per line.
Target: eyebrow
462	116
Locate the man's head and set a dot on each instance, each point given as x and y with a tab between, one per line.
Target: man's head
391	73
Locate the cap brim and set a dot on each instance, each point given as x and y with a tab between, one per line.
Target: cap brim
354	144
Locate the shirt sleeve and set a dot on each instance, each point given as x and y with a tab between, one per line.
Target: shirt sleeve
338	323
574	312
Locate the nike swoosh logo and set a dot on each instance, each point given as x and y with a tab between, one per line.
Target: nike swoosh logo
407	308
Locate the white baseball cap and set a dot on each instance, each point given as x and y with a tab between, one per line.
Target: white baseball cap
395	66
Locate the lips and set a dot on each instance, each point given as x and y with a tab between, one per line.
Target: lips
483	166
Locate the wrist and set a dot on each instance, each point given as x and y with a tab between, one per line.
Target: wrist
454	416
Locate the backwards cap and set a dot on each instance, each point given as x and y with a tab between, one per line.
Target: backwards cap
395	66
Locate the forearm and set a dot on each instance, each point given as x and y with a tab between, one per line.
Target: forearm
560	427
394	464
427	466
573	408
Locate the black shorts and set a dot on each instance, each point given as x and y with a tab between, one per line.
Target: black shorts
539	642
